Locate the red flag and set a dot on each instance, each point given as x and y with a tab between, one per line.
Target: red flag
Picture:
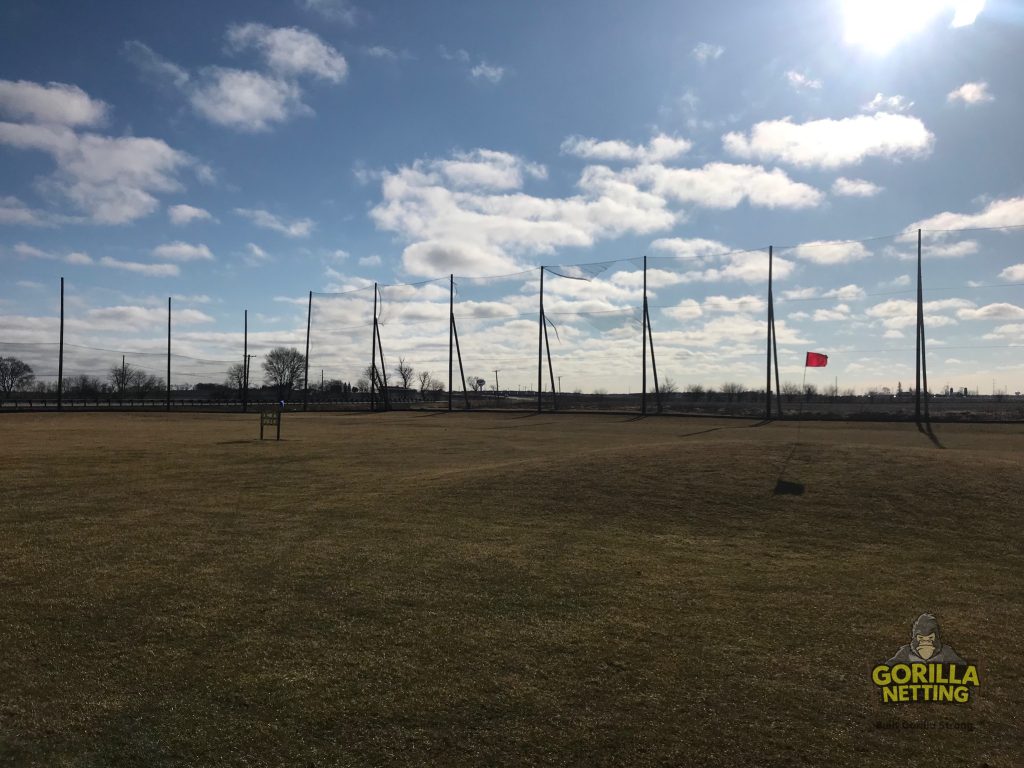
816	360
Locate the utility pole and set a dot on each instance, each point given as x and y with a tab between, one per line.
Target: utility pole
168	354
559	383
496	387
124	380
60	358
245	364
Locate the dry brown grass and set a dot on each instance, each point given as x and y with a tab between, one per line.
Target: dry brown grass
413	589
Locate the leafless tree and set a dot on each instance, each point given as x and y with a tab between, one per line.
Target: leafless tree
14	374
121	377
425	380
405	372
475	383
236	379
695	389
731	389
144	383
83	384
790	389
668	386
283	368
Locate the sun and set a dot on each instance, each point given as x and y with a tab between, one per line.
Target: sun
880	25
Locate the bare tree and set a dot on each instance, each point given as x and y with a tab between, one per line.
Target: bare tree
405	372
144	383
731	389
790	389
695	389
475	383
121	377
282	369
375	375
236	379
668	386
14	374
83	384
425	380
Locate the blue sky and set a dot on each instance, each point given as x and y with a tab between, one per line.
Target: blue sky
239	154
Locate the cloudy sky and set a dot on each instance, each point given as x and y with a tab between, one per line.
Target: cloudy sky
236	155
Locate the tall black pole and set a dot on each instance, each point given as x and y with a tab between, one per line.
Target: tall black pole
451	332
168	353
540	345
921	323
768	351
920	313
245	364
373	352
123	382
60	354
654	362
775	356
551	370
305	380
643	336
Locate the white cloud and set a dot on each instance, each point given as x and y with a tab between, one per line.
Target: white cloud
255	256
487	169
184	214
971	93
1000	311
690	248
30	251
839	312
1010	331
179	251
267	220
800	81
800	293
137	318
1014	273
489	72
460	54
150	270
738	304
51	103
846	293
246	100
832	143
997	214
831	251
883	103
687	309
370	261
78	258
113	179
290	51
659	149
380	52
13	211
902	313
854	188
725	185
333	10
704	52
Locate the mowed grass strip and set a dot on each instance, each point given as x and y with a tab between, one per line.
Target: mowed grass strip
421	589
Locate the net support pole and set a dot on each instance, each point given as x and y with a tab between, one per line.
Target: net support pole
373	352
385	397
551	370
462	371
305	378
775	357
540	346
920	328
451	333
920	322
245	363
60	353
654	362
168	354
643	357
768	345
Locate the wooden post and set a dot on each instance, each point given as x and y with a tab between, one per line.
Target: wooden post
60	354
168	354
305	380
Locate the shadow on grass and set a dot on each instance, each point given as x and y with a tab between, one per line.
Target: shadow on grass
926	429
788	487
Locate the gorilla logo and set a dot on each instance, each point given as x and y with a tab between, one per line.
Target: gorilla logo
925	646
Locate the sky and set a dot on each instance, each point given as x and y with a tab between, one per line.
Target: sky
237	155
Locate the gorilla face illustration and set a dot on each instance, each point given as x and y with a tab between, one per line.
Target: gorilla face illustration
925	636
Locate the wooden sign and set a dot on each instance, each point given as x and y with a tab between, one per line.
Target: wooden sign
270	419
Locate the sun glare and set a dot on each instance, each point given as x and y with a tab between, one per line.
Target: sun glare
879	25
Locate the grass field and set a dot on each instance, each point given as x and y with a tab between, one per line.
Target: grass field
482	589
